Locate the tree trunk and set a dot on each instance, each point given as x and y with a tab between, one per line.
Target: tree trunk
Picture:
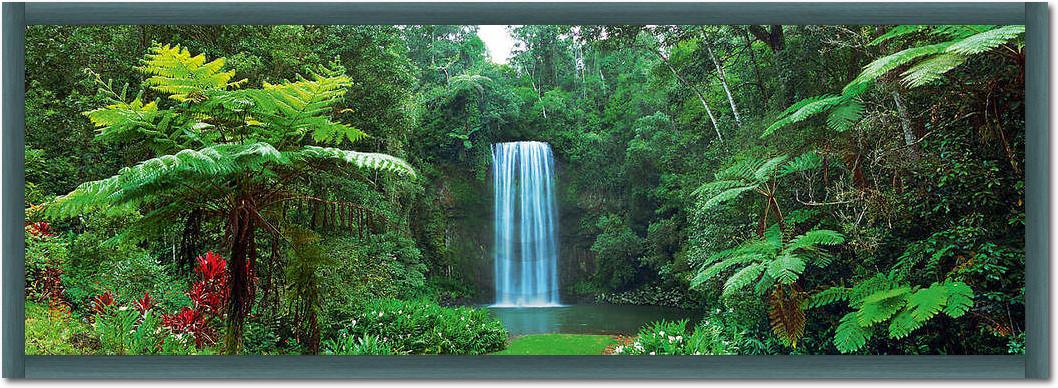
242	225
905	125
701	98
756	70
723	81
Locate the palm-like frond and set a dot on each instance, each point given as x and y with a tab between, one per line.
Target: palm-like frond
803	110
843	117
176	72
879	67
292	109
986	40
368	160
898	31
931	69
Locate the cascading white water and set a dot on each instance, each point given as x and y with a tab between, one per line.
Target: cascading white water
525	225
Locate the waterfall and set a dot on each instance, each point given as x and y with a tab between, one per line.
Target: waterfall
525	225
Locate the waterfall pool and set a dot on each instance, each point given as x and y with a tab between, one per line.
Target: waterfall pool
608	319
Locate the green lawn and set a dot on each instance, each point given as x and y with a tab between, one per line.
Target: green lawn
558	344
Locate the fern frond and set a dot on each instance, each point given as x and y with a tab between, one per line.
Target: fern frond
931	69
744	277
927	302
292	109
959	31
814	238
804	162
726	195
845	116
986	40
903	324
769	168
367	160
960	298
881	306
850	336
786	316
805	109
883	65
175	72
829	296
898	31
786	268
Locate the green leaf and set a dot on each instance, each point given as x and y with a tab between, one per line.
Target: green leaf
960	298
845	116
786	268
742	278
850	336
927	302
903	324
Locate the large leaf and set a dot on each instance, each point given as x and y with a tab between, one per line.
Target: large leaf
786	316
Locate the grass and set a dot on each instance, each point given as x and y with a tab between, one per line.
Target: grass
558	345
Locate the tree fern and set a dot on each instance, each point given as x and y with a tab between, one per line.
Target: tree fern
925	63
176	72
236	154
882	298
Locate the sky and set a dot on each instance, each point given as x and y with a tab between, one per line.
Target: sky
498	41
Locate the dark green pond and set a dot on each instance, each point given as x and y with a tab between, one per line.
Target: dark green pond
586	318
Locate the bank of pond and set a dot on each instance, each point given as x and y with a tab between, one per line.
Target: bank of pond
381	327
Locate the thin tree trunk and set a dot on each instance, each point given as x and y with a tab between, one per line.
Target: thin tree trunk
696	93
756	69
723	81
905	125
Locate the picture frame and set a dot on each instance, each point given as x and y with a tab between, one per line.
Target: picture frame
1034	364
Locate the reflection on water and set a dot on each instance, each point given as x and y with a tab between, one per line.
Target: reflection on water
586	318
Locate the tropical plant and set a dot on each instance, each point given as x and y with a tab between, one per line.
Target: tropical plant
772	264
423	327
225	153
710	337
925	62
755	175
347	345
885	298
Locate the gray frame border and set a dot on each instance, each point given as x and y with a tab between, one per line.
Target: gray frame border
1035	364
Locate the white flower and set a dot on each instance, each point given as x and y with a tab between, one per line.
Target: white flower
679	338
671	338
652	354
661	332
380	314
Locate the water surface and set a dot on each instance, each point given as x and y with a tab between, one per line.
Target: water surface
586	318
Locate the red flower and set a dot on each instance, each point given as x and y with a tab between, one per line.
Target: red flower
102	303
191	322
210	293
39	229
145	304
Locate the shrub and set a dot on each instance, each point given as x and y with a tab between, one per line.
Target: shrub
423	327
96	265
710	337
125	331
650	295
348	345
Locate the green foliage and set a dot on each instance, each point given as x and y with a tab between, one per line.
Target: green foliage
55	332
883	298
421	327
125	331
768	260
618	248
347	345
926	62
712	336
